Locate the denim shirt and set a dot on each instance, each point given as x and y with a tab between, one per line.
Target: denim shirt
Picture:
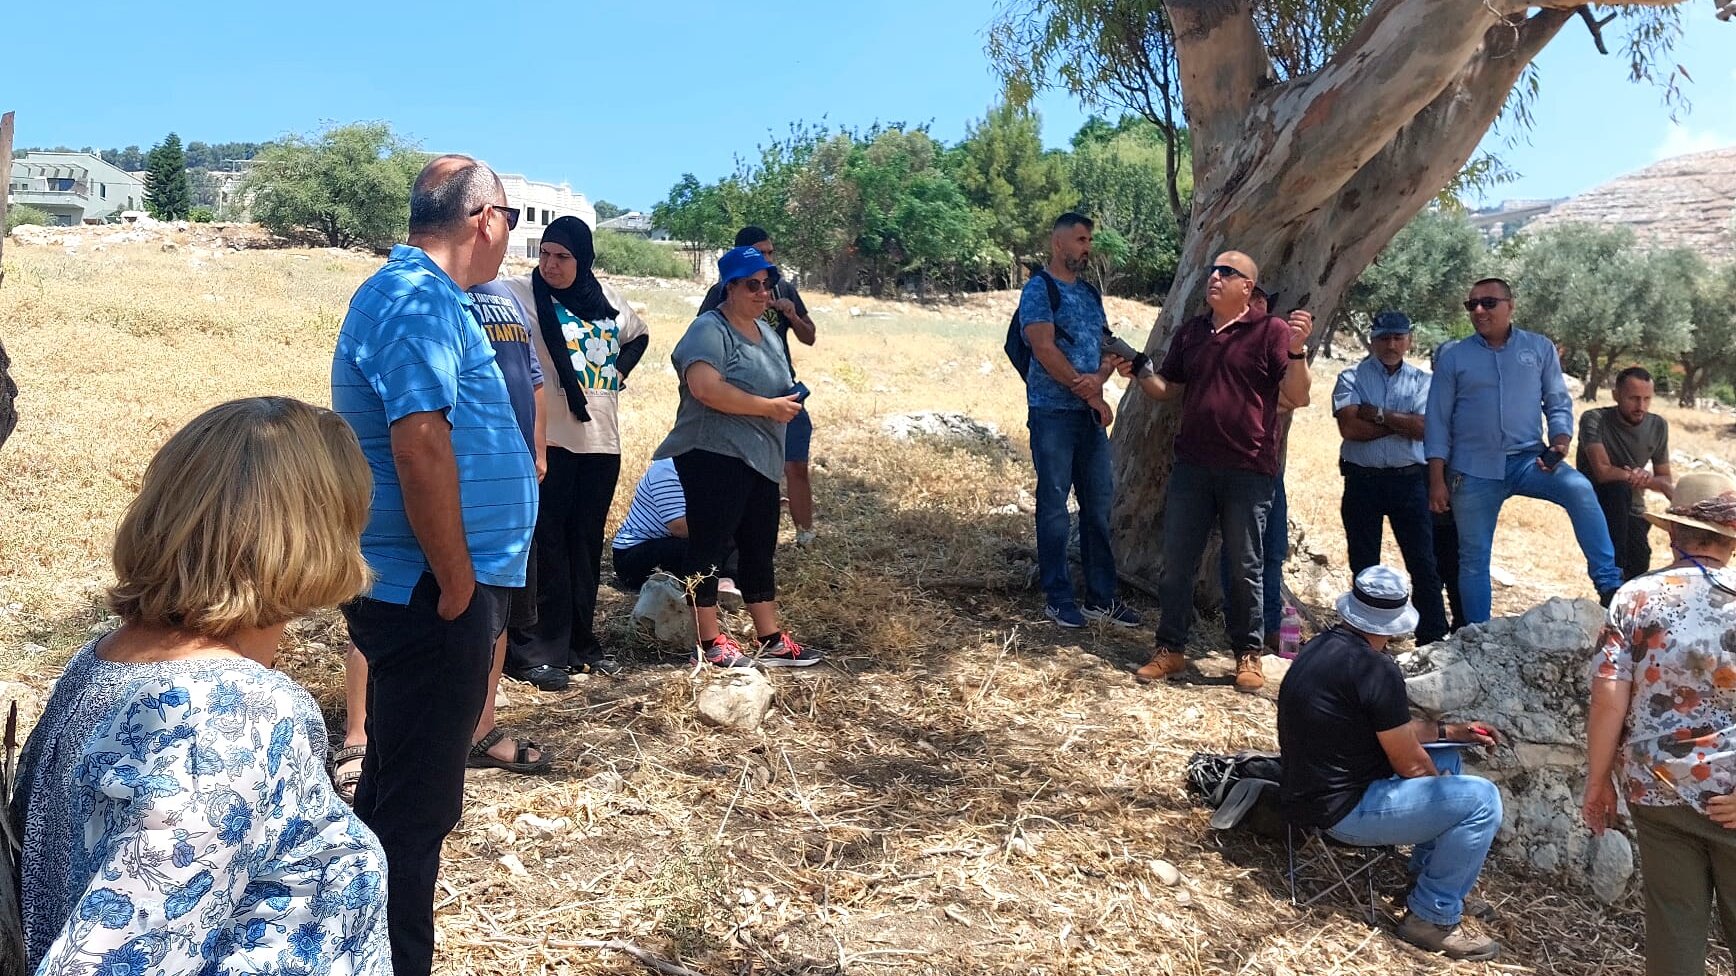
1404	391
1486	404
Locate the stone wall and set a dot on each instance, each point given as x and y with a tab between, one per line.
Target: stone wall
1529	676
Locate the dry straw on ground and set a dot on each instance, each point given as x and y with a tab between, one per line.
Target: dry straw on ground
959	790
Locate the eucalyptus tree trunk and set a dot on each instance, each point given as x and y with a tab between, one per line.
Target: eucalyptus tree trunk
1313	176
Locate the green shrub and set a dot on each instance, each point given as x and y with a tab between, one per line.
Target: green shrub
201	215
627	254
20	214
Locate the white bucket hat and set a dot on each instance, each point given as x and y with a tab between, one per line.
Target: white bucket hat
1379	603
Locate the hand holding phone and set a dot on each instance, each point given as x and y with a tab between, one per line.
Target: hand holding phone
1550	458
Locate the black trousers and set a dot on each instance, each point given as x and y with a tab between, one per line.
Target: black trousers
1373	496
574	503
427	679
729	505
1633	551
635	564
1447	563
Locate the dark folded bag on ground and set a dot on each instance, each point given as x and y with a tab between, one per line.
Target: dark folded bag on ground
1242	789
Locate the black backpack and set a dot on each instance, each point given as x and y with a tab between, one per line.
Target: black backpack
1242	789
1018	350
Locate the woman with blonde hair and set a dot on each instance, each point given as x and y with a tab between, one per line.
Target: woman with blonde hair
175	810
1663	703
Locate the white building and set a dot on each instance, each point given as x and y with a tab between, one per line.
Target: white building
75	187
539	204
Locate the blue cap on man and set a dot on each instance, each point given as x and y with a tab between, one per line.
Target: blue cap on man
1390	323
740	262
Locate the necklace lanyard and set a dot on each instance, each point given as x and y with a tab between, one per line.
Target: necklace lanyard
1717	584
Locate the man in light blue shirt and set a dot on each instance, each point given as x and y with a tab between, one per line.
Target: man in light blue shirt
1379	404
448	531
1485	443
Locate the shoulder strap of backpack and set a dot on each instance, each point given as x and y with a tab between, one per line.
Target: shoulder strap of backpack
1054	290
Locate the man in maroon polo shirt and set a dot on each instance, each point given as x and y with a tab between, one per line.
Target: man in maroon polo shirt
1233	368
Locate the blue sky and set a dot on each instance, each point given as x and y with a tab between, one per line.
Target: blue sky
621	99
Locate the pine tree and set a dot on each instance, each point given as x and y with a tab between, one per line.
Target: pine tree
168	194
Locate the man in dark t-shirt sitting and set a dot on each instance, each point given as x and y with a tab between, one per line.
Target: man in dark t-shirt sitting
1355	764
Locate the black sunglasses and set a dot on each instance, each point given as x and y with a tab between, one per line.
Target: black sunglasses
756	285
1487	303
510	213
1225	271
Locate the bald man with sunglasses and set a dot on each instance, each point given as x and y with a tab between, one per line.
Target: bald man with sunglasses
1233	368
1485	443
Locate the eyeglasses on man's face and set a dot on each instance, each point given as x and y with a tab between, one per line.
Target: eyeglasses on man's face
510	213
1226	272
1487	303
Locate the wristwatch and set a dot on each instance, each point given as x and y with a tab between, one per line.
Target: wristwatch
1380	416
1299	355
1441	732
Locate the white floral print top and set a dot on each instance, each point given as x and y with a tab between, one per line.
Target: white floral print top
178	819
1673	634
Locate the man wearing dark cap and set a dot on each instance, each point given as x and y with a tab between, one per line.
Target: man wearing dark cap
1379	404
1358	767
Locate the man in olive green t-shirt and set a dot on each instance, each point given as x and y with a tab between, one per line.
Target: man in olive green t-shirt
1615	445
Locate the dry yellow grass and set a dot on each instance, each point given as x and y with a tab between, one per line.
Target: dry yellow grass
961	791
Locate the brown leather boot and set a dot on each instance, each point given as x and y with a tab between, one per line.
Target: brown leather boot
1164	663
1451	941
1249	677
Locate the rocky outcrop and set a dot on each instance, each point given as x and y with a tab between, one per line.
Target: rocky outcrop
1688	201
1529	676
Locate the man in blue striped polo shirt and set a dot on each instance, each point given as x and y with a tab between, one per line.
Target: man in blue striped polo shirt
1379	404
449	529
1485	443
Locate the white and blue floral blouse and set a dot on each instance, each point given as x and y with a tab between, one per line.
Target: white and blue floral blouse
178	820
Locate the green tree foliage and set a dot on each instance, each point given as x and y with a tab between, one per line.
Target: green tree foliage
346	186
1712	356
1424	272
1589	288
634	256
892	207
1017	187
20	214
168	193
1117	174
608	211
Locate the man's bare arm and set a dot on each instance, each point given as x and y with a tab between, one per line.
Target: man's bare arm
428	475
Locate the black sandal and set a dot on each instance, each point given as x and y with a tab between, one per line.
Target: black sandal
521	761
345	781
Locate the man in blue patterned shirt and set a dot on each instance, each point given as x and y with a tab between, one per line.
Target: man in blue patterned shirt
1485	443
449	529
1063	322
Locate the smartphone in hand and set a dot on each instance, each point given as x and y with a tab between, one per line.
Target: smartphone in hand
1550	458
799	391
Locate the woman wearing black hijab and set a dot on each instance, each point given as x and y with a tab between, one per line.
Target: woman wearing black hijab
587	339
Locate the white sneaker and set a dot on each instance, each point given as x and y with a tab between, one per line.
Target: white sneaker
728	595
805	537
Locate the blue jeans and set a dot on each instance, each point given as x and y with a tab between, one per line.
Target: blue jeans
1277	549
1451	820
1236	504
1477	505
1070	451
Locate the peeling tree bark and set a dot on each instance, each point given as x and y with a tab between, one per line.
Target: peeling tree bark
1312	177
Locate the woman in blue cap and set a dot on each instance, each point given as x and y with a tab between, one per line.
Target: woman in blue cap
737	397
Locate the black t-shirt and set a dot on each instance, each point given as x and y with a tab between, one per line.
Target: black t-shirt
773	317
1338	695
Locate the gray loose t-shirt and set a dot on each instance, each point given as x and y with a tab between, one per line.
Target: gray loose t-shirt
761	368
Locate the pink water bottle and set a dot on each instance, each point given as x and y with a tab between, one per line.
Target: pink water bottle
1290	633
